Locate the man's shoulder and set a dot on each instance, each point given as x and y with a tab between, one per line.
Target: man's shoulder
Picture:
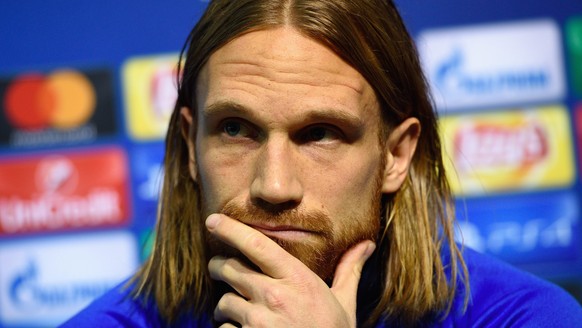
120	308
117	308
502	295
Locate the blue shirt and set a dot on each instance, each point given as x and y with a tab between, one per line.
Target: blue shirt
501	296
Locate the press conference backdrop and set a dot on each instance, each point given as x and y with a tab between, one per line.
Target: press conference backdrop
86	89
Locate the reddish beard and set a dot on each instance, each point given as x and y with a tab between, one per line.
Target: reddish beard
327	240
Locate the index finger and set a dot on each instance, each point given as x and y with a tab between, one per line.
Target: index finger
271	258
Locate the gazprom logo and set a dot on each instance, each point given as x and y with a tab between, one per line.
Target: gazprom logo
45	281
451	77
28	293
497	64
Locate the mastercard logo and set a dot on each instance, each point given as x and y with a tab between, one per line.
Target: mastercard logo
64	99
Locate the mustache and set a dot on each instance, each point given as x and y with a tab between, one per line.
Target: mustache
314	221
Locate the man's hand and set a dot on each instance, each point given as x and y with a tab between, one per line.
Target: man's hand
286	293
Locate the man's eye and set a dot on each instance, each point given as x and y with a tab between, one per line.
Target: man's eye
236	129
232	128
321	133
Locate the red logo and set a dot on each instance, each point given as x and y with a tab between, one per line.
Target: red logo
492	146
64	99
66	191
163	92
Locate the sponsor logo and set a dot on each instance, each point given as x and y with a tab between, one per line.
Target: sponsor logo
65	106
46	281
488	145
578	129
63	99
512	150
150	95
496	64
525	230
149	190
452	77
65	191
574	46
26	293
146	166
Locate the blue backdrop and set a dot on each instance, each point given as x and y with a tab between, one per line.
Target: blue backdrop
49	270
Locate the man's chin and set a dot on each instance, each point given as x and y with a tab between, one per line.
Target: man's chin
321	262
320	259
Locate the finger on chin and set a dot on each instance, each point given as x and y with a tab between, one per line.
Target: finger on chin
349	269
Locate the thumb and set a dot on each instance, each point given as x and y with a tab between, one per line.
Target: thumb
348	273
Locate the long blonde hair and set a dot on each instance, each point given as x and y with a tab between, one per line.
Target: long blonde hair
418	221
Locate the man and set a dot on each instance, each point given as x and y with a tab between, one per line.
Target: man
304	187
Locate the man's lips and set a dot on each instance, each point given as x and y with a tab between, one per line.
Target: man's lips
282	231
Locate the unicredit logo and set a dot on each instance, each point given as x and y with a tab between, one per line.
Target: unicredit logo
55	205
64	192
64	99
56	174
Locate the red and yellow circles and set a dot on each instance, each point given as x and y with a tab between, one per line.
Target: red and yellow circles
64	99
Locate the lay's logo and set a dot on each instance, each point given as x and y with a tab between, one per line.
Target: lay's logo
150	95
531	148
487	145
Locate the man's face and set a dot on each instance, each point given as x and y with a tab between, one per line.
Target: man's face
287	141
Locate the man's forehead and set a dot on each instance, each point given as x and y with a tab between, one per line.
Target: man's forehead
285	50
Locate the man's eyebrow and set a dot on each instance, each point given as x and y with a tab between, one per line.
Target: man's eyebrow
339	117
225	107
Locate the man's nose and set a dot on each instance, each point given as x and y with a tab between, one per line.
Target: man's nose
276	180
